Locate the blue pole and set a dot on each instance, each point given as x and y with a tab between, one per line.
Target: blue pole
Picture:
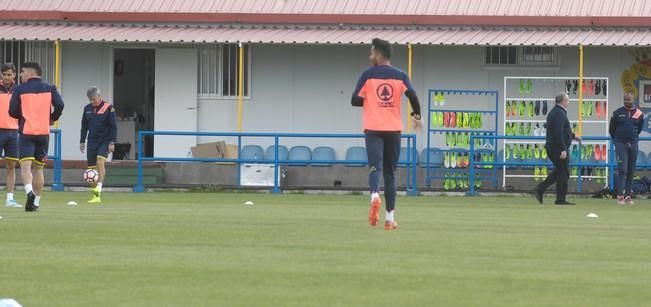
472	165
57	185
239	163
580	169
139	186
611	166
414	168
276	188
429	135
410	170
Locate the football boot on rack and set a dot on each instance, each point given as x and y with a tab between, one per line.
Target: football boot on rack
575	86
536	108
530	108
568	86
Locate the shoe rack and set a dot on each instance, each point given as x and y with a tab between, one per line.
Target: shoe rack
453	116
527	100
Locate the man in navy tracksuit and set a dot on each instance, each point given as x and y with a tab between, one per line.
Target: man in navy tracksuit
557	144
99	127
625	128
36	104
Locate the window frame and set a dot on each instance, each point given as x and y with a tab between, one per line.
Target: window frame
41	52
219	95
520	61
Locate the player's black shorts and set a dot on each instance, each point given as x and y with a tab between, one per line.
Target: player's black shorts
9	144
34	147
96	150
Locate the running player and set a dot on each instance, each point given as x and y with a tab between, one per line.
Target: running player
8	131
99	128
379	92
36	104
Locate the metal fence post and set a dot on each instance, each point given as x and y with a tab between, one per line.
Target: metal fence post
58	164
579	182
276	188
471	157
139	186
414	167
611	166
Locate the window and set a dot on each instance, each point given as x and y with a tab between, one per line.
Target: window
218	70
19	52
501	55
524	56
538	56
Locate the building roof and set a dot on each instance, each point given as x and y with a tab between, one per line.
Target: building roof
611	8
404	12
439	22
301	34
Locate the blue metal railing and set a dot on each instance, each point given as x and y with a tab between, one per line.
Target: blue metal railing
56	159
410	162
610	164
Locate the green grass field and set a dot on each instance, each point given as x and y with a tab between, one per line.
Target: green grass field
203	249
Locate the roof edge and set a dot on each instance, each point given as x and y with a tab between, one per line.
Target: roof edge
255	18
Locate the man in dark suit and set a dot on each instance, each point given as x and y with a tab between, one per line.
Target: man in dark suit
557	143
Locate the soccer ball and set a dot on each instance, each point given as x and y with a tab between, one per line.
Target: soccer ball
91	176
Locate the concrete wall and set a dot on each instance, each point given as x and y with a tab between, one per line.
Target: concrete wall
308	88
83	65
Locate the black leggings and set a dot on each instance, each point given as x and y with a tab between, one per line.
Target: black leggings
383	150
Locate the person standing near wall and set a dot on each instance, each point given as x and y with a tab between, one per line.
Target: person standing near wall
379	92
36	104
98	126
625	127
8	131
557	143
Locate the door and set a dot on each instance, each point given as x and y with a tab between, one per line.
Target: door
175	94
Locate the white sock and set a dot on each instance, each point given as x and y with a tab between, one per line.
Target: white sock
10	196
28	188
375	195
99	186
37	200
389	216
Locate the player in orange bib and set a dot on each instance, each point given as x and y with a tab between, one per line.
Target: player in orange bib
8	131
36	104
379	92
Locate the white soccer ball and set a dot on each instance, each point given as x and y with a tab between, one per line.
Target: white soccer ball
91	175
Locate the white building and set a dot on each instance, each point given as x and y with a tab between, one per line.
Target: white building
174	63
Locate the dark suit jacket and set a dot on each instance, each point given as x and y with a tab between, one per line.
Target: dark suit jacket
559	133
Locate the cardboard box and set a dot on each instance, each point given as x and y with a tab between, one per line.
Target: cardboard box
214	150
227	151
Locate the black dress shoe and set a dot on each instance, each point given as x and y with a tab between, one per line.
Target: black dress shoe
29	205
564	203
539	196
